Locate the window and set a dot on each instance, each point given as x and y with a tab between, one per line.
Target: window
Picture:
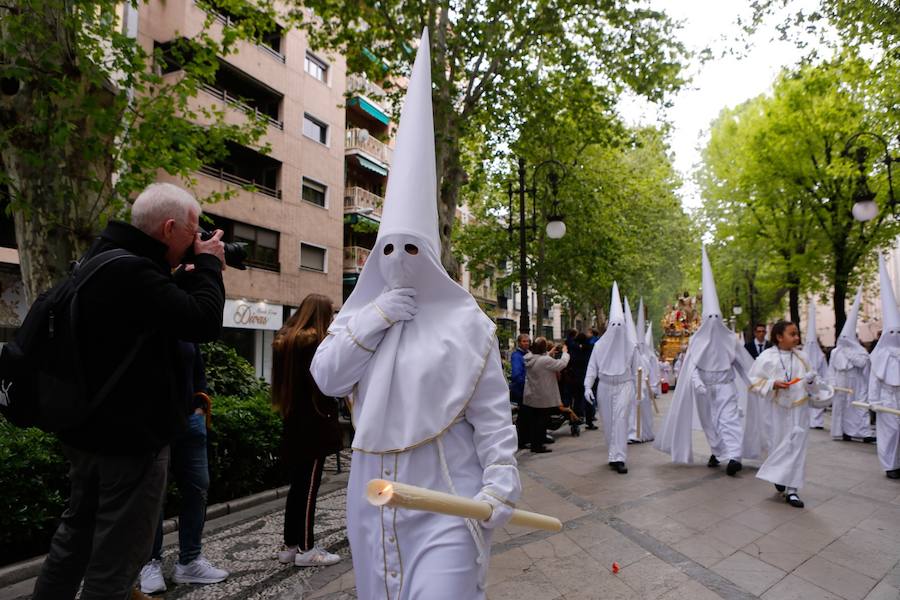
261	245
315	129
314	192
313	258
317	68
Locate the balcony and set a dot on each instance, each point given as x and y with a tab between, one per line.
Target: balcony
369	101
357	84
354	258
359	141
269	44
358	200
245	167
224	96
223	175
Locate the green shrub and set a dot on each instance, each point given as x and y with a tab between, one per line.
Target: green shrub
244	444
229	374
34	480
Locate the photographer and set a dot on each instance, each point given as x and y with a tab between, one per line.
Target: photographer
120	454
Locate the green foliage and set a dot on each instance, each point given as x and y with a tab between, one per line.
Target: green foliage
780	177
228	374
243	446
33	476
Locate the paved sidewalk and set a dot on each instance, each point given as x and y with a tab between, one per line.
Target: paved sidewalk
680	532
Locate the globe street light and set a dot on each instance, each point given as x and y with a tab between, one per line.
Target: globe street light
864	206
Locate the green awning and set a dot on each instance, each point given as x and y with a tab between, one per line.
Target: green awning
372	166
370	109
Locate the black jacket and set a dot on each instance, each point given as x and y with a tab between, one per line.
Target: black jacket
751	347
122	301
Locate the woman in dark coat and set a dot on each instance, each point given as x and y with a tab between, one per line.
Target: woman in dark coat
311	430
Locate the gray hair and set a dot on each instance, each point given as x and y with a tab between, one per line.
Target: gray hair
160	202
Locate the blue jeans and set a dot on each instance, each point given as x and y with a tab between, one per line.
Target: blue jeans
190	471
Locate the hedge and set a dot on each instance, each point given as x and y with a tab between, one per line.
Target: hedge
243	458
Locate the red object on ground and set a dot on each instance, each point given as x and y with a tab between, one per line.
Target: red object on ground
665	387
615	567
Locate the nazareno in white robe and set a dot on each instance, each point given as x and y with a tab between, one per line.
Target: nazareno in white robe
849	368
778	420
884	389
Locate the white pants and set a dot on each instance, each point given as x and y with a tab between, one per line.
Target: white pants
615	397
720	417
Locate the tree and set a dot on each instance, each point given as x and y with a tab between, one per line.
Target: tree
795	158
483	53
87	118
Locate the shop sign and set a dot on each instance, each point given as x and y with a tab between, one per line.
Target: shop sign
245	314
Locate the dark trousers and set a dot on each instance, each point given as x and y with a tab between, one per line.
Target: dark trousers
190	469
300	509
107	530
581	406
538	421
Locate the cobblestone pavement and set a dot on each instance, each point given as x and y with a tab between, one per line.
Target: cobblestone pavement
676	532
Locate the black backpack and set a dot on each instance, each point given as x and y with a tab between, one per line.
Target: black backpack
42	381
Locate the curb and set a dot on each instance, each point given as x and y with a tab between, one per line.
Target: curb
26	569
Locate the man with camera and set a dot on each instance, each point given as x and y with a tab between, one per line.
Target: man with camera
119	455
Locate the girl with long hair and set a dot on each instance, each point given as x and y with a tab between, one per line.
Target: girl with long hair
311	430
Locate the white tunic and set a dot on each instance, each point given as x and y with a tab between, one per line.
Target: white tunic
846	418
887	425
785	415
646	406
401	554
615	401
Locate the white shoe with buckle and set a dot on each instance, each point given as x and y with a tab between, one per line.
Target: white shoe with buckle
152	581
199	570
287	554
316	557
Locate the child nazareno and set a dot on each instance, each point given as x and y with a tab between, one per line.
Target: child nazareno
783	384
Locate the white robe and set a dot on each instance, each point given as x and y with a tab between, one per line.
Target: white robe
615	401
887	425
402	554
846	418
650	374
780	417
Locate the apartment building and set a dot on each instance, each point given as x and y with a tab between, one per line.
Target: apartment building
292	222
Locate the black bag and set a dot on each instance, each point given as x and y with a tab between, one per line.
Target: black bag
42	382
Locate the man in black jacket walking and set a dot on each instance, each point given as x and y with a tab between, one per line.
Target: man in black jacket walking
119	456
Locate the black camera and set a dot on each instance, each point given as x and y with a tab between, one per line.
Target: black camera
234	252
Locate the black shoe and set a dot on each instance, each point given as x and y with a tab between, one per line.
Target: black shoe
591	427
713	461
895	474
847	438
780	488
549	439
525	445
733	467
869	440
541	450
794	500
630	442
621	468
818	428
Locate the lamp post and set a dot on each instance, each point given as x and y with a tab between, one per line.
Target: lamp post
864	206
556	227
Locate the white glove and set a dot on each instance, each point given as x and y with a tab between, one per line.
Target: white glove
700	388
589	394
371	323
859	360
501	513
810	378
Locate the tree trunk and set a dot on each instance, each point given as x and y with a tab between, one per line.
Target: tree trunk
839	298
793	281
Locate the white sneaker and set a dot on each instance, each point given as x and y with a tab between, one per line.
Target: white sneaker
198	570
152	581
287	554
316	557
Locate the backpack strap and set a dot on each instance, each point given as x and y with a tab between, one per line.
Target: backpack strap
82	273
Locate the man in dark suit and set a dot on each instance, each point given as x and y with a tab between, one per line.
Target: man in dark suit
759	341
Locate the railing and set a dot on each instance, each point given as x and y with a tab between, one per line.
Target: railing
360	139
272	52
355	258
357	199
228	22
231	178
359	84
225	97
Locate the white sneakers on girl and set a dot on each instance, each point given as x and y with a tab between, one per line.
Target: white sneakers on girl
316	557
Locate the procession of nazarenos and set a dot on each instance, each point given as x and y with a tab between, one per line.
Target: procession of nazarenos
333	318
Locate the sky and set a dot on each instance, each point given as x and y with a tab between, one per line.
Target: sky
721	82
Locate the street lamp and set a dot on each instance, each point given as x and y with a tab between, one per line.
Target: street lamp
556	227
864	206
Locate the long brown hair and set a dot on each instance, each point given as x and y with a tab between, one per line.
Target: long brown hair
306	327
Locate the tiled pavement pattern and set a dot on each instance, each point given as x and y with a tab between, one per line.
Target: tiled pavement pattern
676	532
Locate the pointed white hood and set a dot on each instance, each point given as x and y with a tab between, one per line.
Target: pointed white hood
886	356
402	379
613	351
811	342
848	343
648	339
641	325
410	204
712	347
630	329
